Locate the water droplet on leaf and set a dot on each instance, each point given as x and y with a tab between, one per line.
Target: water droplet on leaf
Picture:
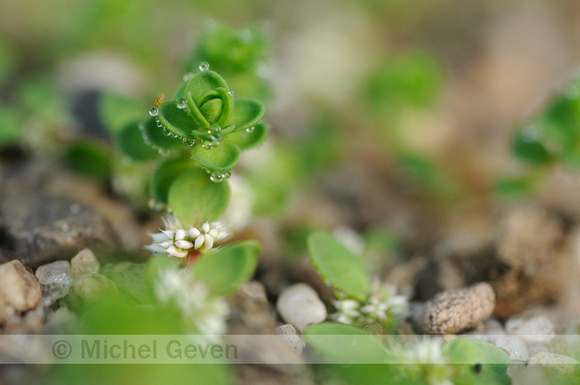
153	111
181	103
203	66
249	130
216	177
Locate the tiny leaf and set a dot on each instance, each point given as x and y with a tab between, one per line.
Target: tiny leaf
158	139
166	173
195	199
203	82
344	344
247	113
228	268
246	140
132	143
222	158
176	120
336	263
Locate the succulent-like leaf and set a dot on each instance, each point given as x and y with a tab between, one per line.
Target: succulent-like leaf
158	139
203	82
176	120
340	266
166	173
132	143
247	113
195	199
246	140
222	158
228	268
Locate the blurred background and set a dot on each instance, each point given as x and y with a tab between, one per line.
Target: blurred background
422	120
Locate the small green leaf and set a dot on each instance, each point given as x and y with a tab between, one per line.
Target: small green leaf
211	110
335	262
195	199
158	139
118	110
246	140
247	113
222	158
132	143
467	352
89	158
531	150
228	268
202	82
344	344
166	173
9	126
176	120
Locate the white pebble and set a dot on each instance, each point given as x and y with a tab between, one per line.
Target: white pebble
291	337
514	346
539	329
300	306
46	274
83	263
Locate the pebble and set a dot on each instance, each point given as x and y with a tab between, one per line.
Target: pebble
514	346
46	274
300	306
255	290
454	310
567	366
538	329
19	289
89	288
291	337
83	263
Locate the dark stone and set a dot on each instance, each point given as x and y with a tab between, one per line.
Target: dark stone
48	214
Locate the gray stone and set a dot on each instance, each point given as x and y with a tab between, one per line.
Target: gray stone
291	337
452	311
19	289
46	274
84	262
89	288
300	306
537	329
48	214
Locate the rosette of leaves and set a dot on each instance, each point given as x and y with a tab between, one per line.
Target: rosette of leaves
206	116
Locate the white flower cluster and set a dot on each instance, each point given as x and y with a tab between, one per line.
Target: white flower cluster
382	304
206	314
178	242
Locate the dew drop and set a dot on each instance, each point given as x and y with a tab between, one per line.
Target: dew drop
153	111
187	77
227	175
249	130
216	177
141	128
181	103
166	132
163	152
231	93
203	66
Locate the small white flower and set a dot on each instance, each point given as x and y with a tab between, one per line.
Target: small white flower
381	305
178	242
